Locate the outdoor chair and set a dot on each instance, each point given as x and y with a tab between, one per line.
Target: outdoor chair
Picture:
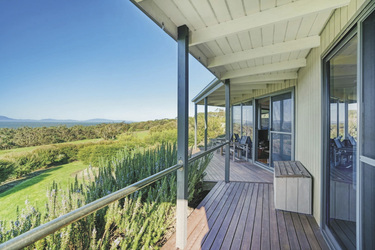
342	152
243	146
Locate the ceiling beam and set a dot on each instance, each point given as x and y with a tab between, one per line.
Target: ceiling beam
264	78
271	16
242	98
278	48
249	86
285	65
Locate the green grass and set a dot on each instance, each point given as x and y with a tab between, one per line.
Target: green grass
35	189
29	149
141	134
17	150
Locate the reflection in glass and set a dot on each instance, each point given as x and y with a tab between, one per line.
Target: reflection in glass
247	129
343	143
281	147
237	120
263	131
281	128
282	113
368	134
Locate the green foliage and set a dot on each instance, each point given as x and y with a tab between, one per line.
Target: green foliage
42	157
163	136
94	154
137	222
6	170
34	189
160	131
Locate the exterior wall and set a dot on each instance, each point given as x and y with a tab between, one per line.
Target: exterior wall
308	98
271	88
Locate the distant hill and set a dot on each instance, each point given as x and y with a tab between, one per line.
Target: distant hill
4	118
96	120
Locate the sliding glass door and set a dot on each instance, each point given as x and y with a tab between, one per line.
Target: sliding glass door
349	170
281	129
342	143
367	145
274	131
262	151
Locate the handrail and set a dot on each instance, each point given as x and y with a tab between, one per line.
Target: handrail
204	153
44	230
52	226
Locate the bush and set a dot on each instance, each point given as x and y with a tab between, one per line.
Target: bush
42	157
137	222
6	170
94	154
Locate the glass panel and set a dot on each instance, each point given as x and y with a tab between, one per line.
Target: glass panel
343	146
368	206
237	120
282	113
368	134
281	147
333	129
247	109
263	135
368	148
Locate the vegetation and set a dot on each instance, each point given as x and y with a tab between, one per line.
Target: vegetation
352	126
138	221
34	190
125	154
17	162
26	136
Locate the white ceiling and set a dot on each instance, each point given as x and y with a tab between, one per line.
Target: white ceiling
251	42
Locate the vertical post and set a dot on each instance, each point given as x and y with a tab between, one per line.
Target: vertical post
231	120
346	124
182	133
227	129
195	126
205	123
241	130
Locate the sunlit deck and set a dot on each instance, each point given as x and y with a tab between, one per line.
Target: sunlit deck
241	215
239	171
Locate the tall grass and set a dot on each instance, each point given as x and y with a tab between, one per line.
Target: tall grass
138	221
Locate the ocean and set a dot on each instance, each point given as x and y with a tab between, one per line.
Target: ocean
15	124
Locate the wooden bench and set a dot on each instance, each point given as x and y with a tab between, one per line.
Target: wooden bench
293	187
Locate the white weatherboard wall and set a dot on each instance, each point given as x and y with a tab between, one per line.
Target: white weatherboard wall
271	88
309	102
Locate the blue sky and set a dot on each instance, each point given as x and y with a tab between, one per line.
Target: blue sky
88	59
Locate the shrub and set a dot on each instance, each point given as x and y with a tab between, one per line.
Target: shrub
137	222
6	170
94	154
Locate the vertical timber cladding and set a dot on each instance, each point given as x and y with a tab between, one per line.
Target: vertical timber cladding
308	104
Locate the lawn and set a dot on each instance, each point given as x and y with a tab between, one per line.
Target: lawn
142	134
29	149
35	189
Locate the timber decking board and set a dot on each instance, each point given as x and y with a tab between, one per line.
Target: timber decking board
290	169
239	171
241	215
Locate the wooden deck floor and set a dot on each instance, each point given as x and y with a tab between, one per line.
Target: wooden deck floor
241	215
239	171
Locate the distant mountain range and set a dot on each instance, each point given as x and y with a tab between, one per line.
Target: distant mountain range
97	120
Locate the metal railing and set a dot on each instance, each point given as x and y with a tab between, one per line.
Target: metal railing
48	228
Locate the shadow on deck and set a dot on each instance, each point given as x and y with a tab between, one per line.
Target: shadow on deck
241	215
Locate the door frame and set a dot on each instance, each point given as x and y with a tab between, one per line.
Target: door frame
256	120
354	26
